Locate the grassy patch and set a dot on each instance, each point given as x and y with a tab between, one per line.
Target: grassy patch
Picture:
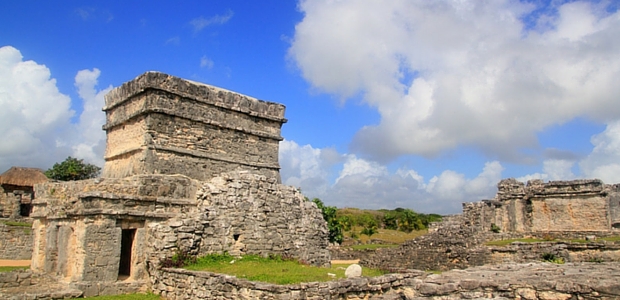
16	223
610	239
373	246
510	241
9	269
127	297
273	269
389	235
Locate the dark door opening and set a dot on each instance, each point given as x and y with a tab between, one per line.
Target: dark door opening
127	237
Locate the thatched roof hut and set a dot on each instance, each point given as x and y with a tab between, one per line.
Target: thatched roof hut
19	176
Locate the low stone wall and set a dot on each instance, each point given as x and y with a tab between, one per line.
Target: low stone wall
15	242
570	252
183	284
343	253
25	285
531	281
17	278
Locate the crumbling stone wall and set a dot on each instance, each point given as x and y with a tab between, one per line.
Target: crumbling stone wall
161	124
79	225
556	206
11	200
512	281
15	242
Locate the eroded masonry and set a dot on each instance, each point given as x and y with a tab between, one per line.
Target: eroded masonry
189	168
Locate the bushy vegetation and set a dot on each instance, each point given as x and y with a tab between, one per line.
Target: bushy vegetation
333	223
72	169
371	222
552	258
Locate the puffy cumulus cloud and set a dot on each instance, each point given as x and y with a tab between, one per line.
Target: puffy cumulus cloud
449	73
35	119
91	142
361	183
34	113
604	160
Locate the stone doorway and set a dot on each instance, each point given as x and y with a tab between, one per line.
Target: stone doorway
127	238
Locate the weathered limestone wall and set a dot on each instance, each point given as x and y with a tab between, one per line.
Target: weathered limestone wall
571	252
512	281
79	226
243	213
15	242
10	199
177	284
556	206
160	124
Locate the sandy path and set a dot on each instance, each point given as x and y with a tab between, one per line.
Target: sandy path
14	263
345	262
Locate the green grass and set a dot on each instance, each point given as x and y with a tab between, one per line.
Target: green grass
16	223
387	235
272	270
611	238
127	297
373	246
9	269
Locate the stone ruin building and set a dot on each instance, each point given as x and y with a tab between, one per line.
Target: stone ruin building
576	209
188	167
17	191
586	205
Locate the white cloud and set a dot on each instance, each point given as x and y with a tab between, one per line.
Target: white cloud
33	111
205	62
200	23
443	74
35	116
365	184
91	144
604	161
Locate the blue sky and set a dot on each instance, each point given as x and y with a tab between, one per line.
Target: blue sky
418	104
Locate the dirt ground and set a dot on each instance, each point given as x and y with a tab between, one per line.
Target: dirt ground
345	262
14	263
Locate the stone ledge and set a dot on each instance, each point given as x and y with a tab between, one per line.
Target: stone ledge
197	91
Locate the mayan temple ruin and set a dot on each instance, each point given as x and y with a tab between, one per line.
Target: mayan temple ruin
189	167
193	169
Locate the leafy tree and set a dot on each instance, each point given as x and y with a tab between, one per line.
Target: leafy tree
72	169
345	222
390	221
369	229
333	224
410	221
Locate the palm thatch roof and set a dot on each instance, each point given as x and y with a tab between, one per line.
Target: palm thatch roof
23	176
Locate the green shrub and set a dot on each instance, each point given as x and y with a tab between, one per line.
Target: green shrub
552	258
495	228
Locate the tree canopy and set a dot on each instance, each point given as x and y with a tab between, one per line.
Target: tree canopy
72	169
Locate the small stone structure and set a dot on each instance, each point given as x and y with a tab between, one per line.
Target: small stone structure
556	206
190	168
161	124
16	195
558	209
16	191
